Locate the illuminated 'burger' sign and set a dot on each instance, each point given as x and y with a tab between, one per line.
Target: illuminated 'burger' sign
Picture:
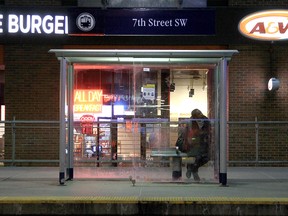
265	25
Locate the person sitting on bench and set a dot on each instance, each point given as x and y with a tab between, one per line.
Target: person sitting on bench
194	140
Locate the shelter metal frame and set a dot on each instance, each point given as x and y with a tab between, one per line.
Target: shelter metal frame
68	57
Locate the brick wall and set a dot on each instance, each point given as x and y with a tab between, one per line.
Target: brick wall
32	83
249	98
32	93
249	73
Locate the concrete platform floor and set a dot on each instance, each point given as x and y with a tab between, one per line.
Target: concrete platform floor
36	190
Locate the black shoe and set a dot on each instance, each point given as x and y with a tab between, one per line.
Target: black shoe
188	174
195	176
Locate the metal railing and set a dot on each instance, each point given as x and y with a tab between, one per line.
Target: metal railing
250	142
32	135
263	142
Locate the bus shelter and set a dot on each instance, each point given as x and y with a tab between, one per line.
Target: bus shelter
121	112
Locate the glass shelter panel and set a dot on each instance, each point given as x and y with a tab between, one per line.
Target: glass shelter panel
129	116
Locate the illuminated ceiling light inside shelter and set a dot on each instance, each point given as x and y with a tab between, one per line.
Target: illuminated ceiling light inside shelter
172	87
191	92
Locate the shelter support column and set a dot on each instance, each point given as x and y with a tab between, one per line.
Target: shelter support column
62	137
223	121
70	100
216	116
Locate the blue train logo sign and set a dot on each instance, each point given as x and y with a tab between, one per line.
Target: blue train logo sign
85	22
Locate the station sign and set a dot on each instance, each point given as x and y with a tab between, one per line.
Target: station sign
95	22
270	25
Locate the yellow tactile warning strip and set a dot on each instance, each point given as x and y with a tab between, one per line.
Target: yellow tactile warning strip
131	200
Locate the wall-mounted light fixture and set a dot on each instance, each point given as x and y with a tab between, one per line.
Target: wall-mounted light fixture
273	84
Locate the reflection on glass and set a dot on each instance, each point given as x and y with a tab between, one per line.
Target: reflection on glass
125	113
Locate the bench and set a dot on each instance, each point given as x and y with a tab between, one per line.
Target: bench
176	156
